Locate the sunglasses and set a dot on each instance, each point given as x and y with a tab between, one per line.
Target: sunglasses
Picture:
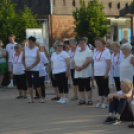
60	45
16	47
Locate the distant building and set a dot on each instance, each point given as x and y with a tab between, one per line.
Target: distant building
59	22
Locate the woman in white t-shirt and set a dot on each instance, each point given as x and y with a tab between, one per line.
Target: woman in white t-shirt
119	105
19	71
60	69
102	63
116	59
127	63
82	65
31	58
42	71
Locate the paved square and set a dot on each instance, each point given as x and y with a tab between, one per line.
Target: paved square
19	117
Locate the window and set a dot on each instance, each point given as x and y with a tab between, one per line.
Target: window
126	5
73	3
115	34
110	4
54	2
64	3
118	5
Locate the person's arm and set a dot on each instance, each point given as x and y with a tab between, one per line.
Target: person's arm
108	68
88	61
67	60
132	61
23	59
123	96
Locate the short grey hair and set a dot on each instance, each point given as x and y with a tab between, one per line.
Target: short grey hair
18	45
74	41
125	38
128	46
56	43
109	41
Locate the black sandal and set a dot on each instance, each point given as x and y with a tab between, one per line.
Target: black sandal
131	125
19	97
81	102
90	103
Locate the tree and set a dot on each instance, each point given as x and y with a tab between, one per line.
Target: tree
12	22
90	20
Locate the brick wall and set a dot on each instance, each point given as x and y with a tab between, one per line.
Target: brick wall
68	8
62	27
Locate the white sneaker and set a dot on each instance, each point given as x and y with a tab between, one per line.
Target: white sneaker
41	100
65	100
30	101
60	100
10	85
98	105
103	106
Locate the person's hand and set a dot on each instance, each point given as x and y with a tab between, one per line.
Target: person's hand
117	96
79	68
110	97
28	68
67	74
106	76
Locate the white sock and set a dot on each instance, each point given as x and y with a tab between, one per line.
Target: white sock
11	81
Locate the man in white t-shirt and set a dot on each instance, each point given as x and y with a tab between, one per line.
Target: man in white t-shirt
10	51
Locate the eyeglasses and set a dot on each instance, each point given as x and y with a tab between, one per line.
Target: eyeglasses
60	45
16	47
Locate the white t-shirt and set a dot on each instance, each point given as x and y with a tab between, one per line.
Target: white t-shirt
10	51
79	48
80	59
101	65
71	55
126	68
31	57
43	61
18	67
121	92
58	62
116	63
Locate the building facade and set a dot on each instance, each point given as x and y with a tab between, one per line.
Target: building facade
59	22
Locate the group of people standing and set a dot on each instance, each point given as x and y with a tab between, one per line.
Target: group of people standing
110	61
26	63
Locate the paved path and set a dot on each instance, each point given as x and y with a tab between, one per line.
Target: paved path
19	117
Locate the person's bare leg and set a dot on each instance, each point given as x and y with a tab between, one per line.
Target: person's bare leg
82	96
105	100
89	94
39	92
31	92
75	90
101	99
56	91
25	93
20	92
11	77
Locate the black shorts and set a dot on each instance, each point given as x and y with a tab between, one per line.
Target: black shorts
84	84
74	79
54	83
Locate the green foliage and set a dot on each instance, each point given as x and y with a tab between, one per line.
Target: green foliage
132	6
12	22
90	20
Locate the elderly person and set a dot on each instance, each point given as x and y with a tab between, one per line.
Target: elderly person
42	72
60	69
119	105
124	41
19	71
116	59
127	63
73	46
31	58
102	63
82	65
2	62
111	79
